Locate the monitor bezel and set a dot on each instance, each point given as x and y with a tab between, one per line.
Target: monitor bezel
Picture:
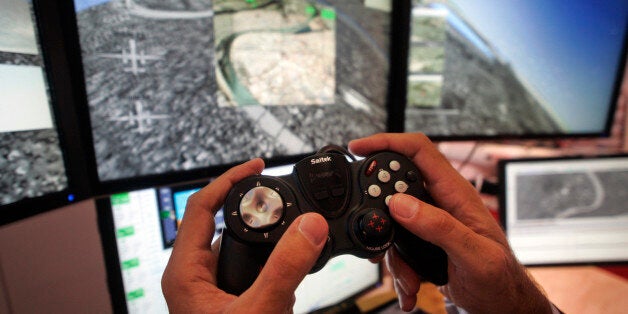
403	44
109	246
65	116
105	187
502	199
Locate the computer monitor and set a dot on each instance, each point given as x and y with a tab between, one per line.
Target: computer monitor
138	229
568	210
35	119
479	69
178	86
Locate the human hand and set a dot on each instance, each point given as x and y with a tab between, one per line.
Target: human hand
189	280
484	275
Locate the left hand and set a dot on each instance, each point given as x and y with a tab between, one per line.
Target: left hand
189	280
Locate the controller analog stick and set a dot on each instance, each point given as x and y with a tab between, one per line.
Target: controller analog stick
261	207
374	227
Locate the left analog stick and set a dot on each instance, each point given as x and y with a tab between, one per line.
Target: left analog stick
261	207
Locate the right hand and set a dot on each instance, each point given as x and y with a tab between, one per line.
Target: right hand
484	274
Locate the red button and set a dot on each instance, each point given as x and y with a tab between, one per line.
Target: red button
371	168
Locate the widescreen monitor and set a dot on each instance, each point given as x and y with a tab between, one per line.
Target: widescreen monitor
177	86
518	69
34	118
566	210
138	229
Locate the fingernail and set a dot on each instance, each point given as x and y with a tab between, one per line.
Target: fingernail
404	206
402	284
312	230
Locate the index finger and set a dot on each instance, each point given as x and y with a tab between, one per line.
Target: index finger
197	227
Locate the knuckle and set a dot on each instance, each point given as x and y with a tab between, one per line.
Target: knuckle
422	138
443	224
193	199
469	242
495	265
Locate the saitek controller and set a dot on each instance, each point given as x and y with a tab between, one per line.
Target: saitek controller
352	196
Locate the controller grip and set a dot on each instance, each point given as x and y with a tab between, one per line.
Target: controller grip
239	264
426	259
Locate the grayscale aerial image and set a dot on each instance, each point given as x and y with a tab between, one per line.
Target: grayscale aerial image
30	156
459	83
572	195
177	85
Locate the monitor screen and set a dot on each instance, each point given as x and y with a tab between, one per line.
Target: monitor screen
32	160
139	227
485	68
181	85
566	210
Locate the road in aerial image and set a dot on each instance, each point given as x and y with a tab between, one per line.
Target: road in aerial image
177	85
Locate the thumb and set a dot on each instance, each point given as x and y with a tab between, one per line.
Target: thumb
293	257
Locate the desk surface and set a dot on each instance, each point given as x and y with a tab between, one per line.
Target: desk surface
574	289
583	289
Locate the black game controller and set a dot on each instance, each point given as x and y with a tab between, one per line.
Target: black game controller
352	196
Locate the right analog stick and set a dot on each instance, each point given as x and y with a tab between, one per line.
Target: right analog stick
374	227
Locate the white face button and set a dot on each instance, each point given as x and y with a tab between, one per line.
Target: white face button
394	165
383	176
374	190
387	199
401	187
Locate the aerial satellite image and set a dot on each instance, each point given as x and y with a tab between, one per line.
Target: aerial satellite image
178	85
460	84
585	194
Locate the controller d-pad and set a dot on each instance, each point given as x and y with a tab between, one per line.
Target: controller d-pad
261	207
